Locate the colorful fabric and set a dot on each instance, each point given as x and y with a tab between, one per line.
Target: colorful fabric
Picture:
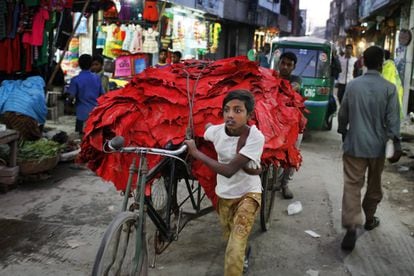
150	11
83	24
27	127
35	37
113	40
390	73
10	55
150	44
136	44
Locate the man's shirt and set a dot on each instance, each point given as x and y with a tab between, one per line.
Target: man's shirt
369	115
86	88
347	69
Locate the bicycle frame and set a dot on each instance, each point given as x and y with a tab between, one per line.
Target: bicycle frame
166	167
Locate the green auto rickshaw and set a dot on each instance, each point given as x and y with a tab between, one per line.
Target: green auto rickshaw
314	67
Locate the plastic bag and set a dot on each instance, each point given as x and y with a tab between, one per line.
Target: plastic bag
294	208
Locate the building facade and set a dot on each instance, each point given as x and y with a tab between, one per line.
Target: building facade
247	24
385	23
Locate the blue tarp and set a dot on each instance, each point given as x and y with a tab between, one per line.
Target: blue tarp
24	96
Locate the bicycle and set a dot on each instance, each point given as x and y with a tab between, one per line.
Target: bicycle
125	238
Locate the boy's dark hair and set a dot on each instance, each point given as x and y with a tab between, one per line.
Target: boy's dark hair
163	50
289	55
387	54
242	95
98	58
85	62
373	57
178	54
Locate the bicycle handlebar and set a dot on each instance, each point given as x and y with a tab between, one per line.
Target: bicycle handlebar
117	144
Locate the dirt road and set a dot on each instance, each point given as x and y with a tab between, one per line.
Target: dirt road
54	227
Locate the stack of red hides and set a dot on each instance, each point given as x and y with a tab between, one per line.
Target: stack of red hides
153	110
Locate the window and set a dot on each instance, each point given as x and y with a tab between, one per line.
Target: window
311	63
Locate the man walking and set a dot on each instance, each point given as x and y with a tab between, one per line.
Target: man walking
286	65
347	68
368	117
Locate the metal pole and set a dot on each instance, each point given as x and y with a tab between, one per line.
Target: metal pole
409	55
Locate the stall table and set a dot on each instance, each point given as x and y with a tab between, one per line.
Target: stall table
9	172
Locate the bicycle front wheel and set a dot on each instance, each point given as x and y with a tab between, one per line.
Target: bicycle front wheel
117	250
268	195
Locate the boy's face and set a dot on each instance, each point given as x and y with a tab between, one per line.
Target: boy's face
175	59
163	57
286	66
235	116
96	66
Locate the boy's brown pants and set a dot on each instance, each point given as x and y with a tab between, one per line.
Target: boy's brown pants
354	179
237	218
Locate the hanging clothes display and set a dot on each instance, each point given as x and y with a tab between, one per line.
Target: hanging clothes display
150	44
35	37
100	38
150	11
64	29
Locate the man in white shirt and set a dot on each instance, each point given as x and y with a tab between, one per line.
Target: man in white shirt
347	65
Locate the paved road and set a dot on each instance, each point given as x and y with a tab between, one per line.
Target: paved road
54	227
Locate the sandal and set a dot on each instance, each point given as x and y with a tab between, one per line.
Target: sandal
348	243
286	192
371	224
246	259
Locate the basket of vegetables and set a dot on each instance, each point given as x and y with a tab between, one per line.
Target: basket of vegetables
38	156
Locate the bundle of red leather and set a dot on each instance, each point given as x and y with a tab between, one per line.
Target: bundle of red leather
153	110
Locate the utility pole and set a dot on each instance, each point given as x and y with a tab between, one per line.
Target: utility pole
408	63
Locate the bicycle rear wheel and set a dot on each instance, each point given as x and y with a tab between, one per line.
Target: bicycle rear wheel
117	250
268	177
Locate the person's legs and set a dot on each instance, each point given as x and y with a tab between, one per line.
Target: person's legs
244	215
225	212
373	194
79	128
288	174
354	178
341	92
286	177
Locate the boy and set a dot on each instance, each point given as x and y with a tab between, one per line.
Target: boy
97	68
85	88
239	192
176	57
162	59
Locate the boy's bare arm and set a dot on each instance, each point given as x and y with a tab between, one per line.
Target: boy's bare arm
227	170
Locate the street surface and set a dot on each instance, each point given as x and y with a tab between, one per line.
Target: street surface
54	226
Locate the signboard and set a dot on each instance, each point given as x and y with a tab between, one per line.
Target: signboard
123	66
211	6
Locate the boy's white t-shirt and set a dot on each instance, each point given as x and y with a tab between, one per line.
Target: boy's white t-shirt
241	182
